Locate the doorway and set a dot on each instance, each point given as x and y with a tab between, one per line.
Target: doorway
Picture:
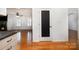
72	26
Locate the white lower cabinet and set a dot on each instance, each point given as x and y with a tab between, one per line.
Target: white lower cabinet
9	43
11	46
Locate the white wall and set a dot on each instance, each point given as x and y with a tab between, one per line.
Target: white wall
73	18
59	23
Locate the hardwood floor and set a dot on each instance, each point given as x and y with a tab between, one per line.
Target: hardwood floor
70	45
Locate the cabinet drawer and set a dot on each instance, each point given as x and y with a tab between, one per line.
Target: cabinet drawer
14	37
7	41
11	46
4	42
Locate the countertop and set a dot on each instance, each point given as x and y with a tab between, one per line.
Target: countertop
5	34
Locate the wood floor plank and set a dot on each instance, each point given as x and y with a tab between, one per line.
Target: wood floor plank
70	45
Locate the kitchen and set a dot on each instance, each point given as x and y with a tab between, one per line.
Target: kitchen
16	23
25	27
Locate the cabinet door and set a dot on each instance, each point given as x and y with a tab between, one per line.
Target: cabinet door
8	41
5	42
11	46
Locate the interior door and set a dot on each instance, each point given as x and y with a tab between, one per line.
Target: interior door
45	23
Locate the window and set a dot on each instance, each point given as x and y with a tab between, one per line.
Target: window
23	21
18	22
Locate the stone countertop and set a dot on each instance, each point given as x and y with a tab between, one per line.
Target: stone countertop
5	34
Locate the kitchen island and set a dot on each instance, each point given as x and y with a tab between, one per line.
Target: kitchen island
8	40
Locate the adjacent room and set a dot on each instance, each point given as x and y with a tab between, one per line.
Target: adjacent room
73	26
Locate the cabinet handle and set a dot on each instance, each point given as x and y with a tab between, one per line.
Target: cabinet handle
9	48
9	40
